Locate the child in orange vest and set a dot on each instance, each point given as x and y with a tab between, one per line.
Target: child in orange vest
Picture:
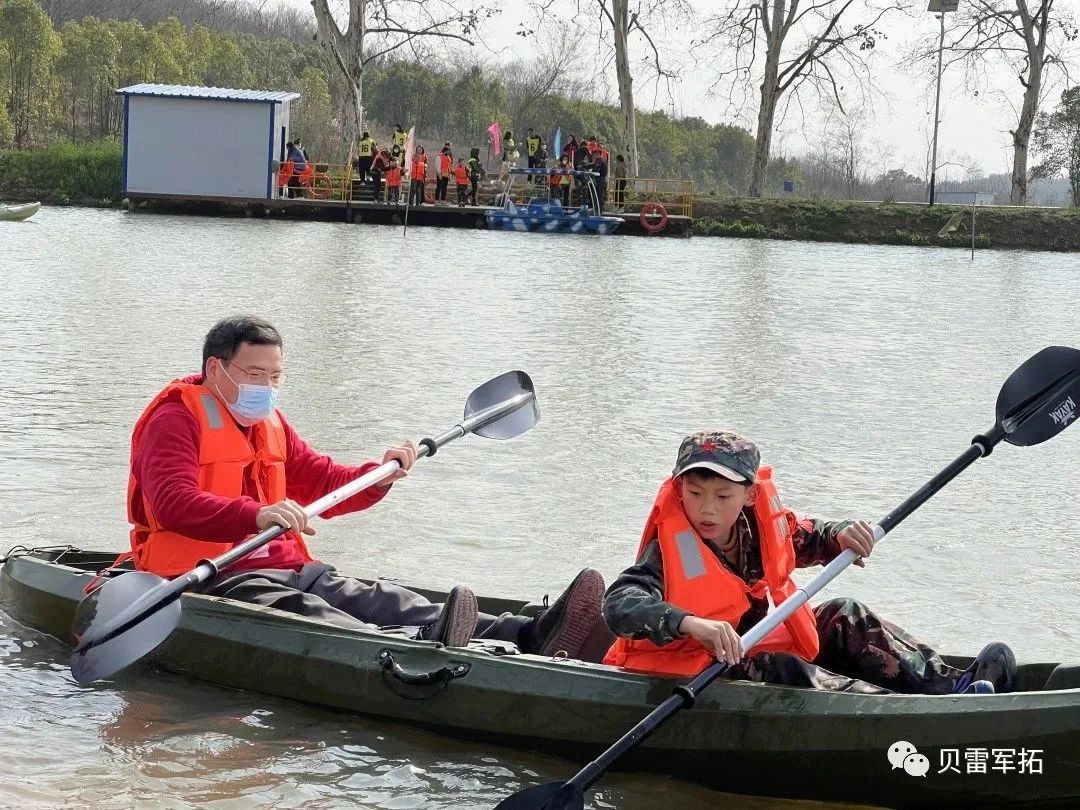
461	180
717	553
393	183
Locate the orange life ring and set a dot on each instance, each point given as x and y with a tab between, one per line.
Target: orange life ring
322	186
651	211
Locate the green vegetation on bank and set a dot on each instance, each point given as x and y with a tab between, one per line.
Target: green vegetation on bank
888	223
62	173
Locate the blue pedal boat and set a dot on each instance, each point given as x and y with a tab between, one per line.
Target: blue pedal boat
546	214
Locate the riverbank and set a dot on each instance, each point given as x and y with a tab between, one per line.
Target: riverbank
855	222
90	175
63	174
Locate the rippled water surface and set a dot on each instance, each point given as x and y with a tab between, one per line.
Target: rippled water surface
860	371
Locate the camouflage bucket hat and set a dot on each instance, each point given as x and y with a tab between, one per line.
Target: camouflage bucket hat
725	453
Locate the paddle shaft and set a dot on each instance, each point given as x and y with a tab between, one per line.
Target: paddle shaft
685	695
170	591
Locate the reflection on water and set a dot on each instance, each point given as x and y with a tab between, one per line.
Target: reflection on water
860	371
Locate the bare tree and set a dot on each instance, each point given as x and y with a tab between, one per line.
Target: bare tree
376	28
615	16
1030	36
811	44
553	70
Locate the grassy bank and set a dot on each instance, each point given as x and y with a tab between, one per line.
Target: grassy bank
62	174
888	223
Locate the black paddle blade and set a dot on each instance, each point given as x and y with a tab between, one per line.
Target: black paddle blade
98	613
552	796
1039	400
497	391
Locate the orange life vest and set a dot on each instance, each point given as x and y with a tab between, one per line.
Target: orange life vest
285	173
419	168
461	175
393	176
695	580
445	164
225	454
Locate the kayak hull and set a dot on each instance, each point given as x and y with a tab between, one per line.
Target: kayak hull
739	737
17	213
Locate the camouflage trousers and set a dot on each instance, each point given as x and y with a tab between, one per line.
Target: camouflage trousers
860	652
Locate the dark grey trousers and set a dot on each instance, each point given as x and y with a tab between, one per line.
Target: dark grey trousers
317	591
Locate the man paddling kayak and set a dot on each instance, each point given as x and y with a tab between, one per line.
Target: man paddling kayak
718	551
213	461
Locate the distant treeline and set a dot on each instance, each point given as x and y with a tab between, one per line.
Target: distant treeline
61	61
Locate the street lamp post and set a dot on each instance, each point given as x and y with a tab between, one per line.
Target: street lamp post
941	8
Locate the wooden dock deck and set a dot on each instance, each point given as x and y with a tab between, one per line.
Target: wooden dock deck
439	215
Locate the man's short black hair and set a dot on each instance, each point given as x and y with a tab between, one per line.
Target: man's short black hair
223	341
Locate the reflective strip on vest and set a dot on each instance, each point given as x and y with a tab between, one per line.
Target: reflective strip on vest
780	520
693	564
213	412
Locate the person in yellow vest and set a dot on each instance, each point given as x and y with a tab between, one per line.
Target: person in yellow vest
717	555
401	138
533	143
365	154
214	461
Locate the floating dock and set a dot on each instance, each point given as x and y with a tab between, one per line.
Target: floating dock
439	215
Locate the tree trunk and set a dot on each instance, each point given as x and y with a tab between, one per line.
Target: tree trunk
770	93
621	20
1021	136
347	52
1034	31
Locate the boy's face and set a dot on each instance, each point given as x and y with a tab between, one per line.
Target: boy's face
712	505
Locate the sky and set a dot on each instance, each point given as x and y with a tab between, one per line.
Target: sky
896	125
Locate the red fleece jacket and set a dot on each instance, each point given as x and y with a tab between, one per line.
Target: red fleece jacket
167	470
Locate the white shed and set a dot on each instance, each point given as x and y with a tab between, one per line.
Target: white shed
210	142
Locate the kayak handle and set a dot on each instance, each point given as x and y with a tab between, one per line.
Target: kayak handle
437	677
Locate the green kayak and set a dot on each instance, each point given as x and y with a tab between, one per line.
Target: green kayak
969	750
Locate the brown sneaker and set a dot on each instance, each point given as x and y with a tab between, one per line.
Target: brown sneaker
457	621
564	627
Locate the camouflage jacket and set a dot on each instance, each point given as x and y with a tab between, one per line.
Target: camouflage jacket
634	605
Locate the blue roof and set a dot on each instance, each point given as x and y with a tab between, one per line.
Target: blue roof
222	93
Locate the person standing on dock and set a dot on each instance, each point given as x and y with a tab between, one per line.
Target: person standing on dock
401	137
365	155
565	180
446	167
379	165
299	163
600	167
461	180
570	150
532	149
620	182
393	183
510	155
418	177
476	173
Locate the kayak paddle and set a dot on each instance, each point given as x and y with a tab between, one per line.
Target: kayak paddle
1038	401
131	614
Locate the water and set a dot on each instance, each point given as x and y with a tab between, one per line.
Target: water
860	371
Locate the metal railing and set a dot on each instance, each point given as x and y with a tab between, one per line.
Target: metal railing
677	196
324	181
318	181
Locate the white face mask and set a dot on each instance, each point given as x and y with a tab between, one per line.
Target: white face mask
253	404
